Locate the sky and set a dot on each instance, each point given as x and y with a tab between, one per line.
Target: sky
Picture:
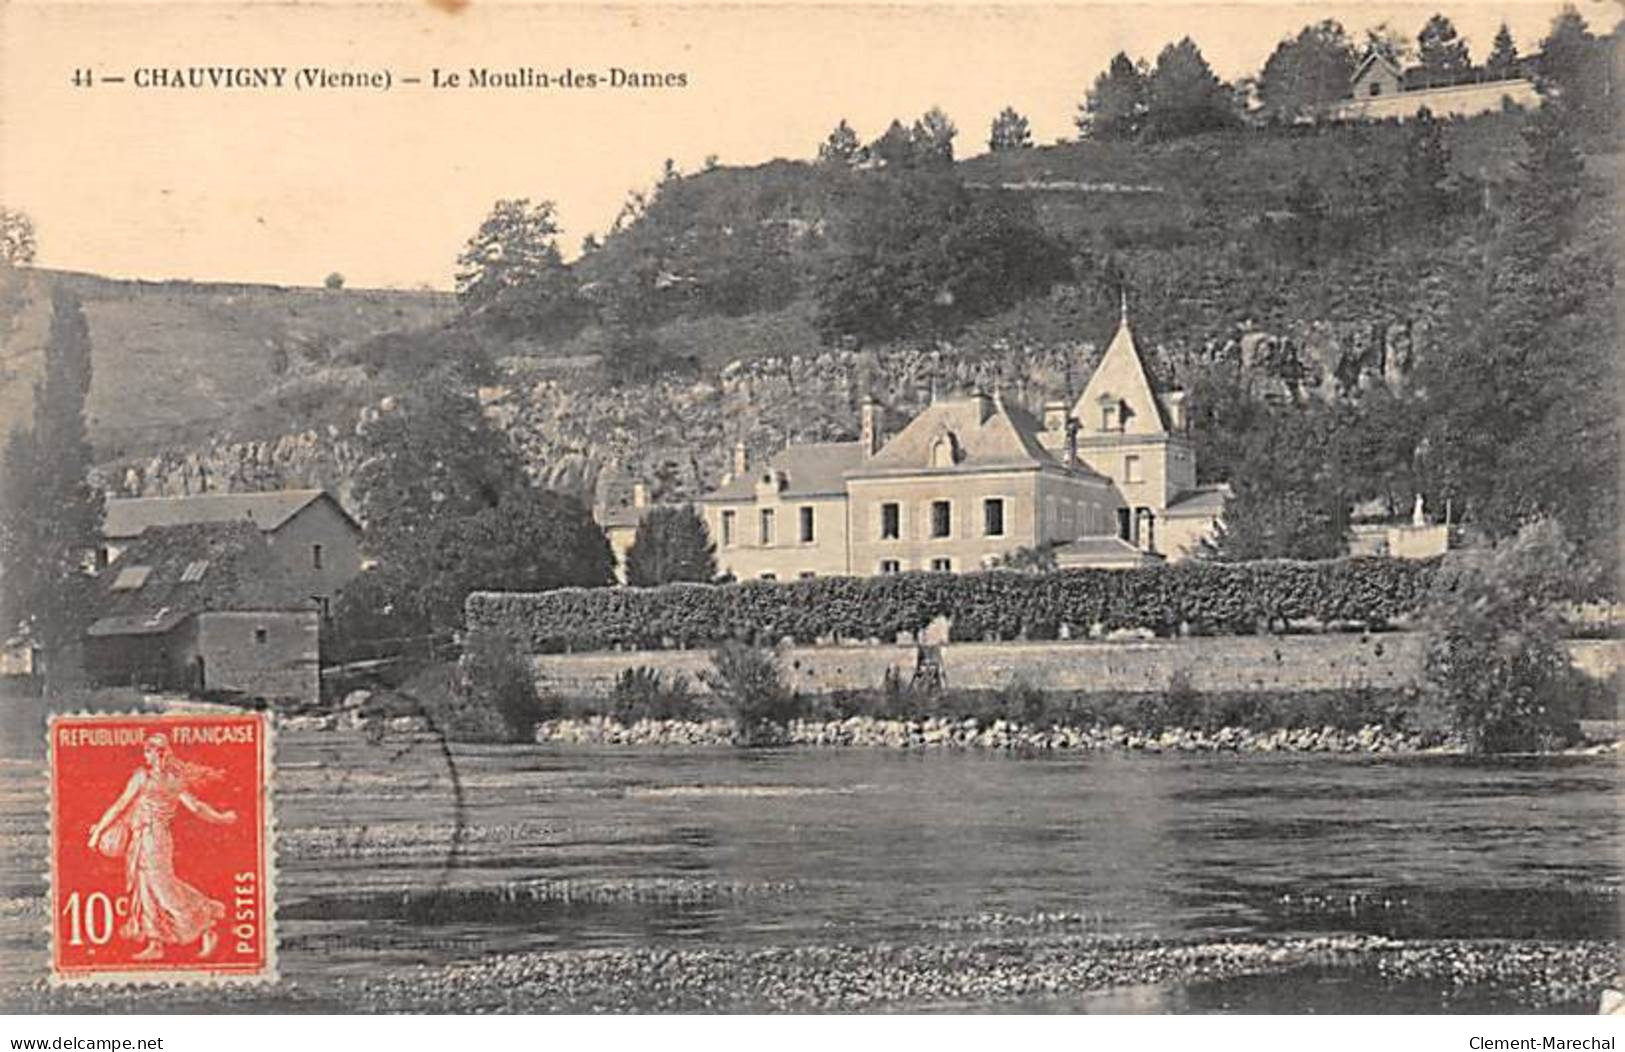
286	186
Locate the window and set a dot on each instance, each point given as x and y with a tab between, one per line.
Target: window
1376	89
324	606
103	557
1125	525
942	565
767	527
1131	469
315	557
993	517
806	525
891	521
131	578
727	529
890	566
942	515
261	635
806	575
770	577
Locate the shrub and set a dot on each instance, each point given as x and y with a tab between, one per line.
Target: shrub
644	694
904	697
498	690
749	686
1021	702
1495	665
1000	605
1182	704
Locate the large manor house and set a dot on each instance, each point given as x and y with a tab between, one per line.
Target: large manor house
1107	481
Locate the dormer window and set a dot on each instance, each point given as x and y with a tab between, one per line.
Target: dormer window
1375	89
942	451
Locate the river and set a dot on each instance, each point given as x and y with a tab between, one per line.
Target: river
395	854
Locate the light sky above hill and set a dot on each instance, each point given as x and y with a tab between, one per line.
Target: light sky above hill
285	186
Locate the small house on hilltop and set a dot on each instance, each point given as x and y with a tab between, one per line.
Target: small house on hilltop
204	607
311	538
1381	90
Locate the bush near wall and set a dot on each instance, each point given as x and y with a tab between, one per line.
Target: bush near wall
996	605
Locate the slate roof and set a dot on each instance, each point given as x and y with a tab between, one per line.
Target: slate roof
811	469
1103	551
619	514
1203	501
192	568
1121	375
987	433
131	517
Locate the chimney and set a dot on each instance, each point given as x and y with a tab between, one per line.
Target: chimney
640	494
1055	414
1072	441
984	405
1175	401
869	425
741	460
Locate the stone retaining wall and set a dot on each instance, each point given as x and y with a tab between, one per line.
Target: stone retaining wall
1212	664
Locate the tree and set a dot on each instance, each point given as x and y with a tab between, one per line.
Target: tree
1306	72
1581	70
933	138
17	248
1115	107
1494	659
672	544
1307	203
17	244
432	458
1522	415
449	510
1442	52
842	146
1383	39
915	253
895	147
1290	490
51	520
1009	132
513	278
1184	96
1422	190
1503	61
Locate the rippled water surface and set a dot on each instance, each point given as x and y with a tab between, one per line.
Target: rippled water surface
396	853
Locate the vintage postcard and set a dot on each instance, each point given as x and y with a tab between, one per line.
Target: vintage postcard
1102	507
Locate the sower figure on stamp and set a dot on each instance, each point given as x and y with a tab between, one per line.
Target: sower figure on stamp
163	908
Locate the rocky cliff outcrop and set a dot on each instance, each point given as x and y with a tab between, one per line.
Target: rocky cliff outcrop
677	433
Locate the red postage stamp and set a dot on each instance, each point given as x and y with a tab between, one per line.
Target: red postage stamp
161	866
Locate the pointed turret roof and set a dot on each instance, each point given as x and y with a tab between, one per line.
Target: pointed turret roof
1121	379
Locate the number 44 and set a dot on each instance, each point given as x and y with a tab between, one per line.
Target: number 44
92	918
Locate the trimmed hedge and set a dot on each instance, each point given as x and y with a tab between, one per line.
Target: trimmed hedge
995	605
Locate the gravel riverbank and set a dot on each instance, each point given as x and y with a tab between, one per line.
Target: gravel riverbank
839	977
869	732
935	733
